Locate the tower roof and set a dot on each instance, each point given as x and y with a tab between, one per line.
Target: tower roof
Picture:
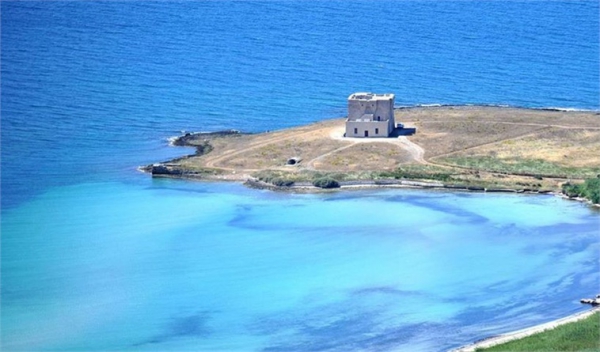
370	96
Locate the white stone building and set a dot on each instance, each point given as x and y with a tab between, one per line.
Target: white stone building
370	115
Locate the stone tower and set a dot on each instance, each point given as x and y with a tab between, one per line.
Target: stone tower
370	115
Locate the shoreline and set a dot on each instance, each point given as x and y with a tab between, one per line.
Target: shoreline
483	148
519	334
306	187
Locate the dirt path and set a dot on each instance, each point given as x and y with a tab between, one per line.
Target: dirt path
311	164
415	150
519	334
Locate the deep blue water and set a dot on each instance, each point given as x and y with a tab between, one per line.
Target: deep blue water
96	256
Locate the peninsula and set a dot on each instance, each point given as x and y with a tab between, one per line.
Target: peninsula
470	147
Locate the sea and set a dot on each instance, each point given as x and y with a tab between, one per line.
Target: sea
97	256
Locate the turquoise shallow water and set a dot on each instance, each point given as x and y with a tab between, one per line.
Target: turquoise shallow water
173	265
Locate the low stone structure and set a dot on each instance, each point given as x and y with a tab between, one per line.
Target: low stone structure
593	301
370	115
293	161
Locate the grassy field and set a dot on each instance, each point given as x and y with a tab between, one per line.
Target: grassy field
583	335
518	165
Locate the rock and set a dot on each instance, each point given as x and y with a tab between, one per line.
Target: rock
161	169
387	182
455	187
187	137
593	301
497	190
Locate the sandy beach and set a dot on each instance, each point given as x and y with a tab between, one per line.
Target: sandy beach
519	334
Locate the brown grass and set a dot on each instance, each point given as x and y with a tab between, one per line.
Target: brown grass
365	157
447	134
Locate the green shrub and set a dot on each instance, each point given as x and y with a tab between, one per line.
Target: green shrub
275	178
534	167
280	182
326	182
415	174
571	190
590	189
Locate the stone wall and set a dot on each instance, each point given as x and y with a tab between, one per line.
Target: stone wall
371	127
371	113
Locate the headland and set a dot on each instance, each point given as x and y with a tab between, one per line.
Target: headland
479	148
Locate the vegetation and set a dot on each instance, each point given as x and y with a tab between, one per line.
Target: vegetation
318	179
475	147
534	167
342	176
583	335
205	171
287	179
590	189
419	172
425	172
204	148
191	169
278	178
326	182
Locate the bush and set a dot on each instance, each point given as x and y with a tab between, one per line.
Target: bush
416	175
593	190
590	189
520	166
275	178
571	190
280	182
326	182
